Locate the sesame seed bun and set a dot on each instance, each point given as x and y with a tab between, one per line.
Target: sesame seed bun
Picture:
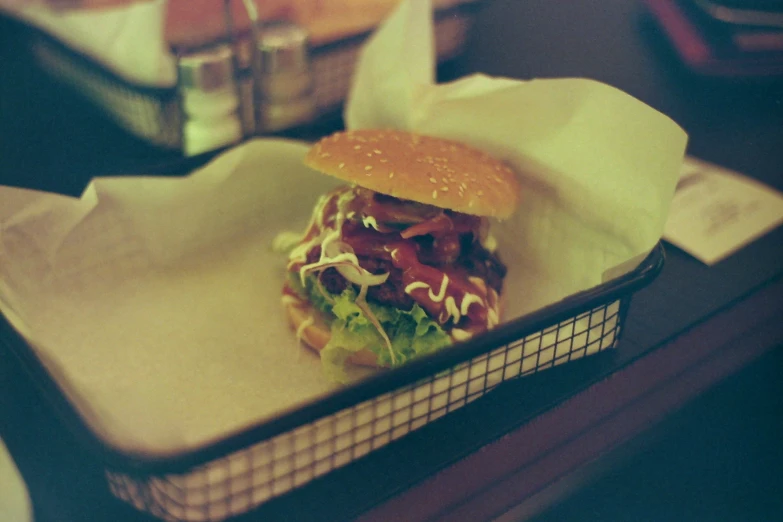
434	171
317	334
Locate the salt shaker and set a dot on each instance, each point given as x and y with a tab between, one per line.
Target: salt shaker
210	100
284	83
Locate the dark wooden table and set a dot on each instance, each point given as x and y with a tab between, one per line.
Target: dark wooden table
686	334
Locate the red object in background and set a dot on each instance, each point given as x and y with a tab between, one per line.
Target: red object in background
713	48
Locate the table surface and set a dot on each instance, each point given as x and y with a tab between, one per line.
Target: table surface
50	139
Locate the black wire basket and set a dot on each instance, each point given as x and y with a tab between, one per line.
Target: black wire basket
243	471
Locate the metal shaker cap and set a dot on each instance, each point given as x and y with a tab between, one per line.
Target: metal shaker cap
207	70
282	48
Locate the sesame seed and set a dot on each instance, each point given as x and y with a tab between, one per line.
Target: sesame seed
368	167
325	154
391	175
384	160
434	194
444	189
376	151
357	147
480	193
444	180
433	180
341	165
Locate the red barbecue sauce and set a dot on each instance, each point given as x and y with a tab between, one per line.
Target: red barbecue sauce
394	219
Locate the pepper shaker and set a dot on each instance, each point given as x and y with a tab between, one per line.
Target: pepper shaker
285	96
210	100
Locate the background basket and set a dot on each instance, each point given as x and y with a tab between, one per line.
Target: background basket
154	114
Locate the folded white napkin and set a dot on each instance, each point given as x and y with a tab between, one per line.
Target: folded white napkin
128	40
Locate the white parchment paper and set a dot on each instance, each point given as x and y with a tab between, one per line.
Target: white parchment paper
128	39
155	302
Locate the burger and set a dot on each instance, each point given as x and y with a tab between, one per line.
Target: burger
399	261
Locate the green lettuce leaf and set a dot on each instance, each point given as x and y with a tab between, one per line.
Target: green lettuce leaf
412	333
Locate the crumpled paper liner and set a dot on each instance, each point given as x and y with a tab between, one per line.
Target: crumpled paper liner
128	40
155	302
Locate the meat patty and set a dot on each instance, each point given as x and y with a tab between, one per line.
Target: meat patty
474	259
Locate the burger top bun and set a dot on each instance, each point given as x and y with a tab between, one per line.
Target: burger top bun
434	171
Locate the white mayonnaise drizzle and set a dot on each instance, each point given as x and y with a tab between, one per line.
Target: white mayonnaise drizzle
339	258
299	253
490	243
460	335
492	317
467	301
452	310
331	237
415	286
326	238
370	222
442	292
478	282
303	326
289	299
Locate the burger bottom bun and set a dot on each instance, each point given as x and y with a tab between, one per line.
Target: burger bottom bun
317	334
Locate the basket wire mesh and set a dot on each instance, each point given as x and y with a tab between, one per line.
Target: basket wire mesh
245	479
